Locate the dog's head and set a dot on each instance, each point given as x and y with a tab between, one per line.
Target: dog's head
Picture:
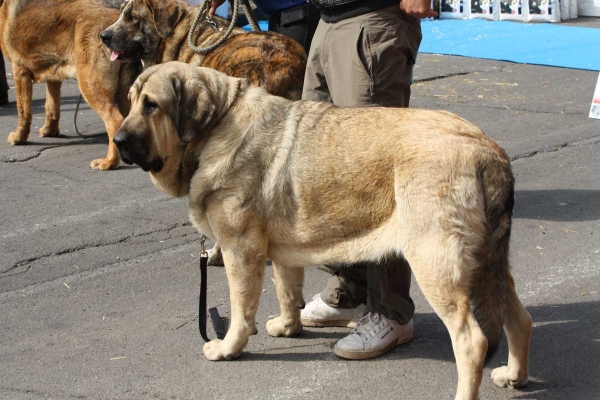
173	105
140	28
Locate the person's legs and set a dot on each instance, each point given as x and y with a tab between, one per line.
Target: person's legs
368	62
342	302
299	23
389	289
3	82
315	85
370	59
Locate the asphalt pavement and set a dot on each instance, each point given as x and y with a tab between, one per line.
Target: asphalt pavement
99	275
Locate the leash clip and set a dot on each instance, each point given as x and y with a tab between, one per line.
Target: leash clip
212	23
203	253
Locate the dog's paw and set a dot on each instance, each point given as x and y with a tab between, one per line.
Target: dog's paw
278	327
216	350
16	138
104	164
49	130
504	377
215	257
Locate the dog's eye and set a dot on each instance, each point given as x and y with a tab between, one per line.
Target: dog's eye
149	107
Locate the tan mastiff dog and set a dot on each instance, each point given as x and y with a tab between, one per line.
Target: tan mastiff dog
306	183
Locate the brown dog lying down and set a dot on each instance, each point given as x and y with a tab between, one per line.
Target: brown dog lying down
50	41
306	183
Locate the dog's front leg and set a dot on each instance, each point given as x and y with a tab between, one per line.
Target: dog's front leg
24	87
245	272
288	283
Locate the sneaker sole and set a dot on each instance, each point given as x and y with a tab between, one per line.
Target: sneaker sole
366	354
343	323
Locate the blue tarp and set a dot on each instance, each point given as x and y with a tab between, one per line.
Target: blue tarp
542	44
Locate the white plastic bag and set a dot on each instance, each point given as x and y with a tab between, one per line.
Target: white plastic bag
573	13
544	11
513	10
454	9
484	9
564	9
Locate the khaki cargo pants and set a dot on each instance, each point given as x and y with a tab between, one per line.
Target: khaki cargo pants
366	60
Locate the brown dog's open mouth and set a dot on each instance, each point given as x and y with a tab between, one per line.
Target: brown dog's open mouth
114	55
121	56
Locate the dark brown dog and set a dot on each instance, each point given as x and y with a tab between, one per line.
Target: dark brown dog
156	31
55	40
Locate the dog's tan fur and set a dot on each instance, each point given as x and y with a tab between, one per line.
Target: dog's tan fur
52	41
306	183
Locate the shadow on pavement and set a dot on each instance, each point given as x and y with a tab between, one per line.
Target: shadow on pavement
565	350
37	106
558	205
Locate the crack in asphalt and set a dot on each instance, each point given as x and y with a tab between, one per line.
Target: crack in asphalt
102	269
32	157
41	393
523	110
444	76
595	140
7	272
39	152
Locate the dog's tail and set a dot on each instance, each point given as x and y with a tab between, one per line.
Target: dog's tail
489	285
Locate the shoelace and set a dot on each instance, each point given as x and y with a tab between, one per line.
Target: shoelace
362	330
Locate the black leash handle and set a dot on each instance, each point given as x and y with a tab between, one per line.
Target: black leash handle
217	322
202	300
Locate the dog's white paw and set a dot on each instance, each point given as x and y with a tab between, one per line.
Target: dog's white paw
216	350
104	164
278	327
504	377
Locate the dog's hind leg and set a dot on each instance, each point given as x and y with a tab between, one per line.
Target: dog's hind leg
517	327
52	108
451	302
24	87
245	261
289	283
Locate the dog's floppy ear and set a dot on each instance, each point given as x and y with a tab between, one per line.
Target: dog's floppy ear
202	97
194	110
166	15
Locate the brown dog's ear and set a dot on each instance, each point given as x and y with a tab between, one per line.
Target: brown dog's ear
166	15
195	109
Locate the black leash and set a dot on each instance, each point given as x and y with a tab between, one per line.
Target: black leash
218	323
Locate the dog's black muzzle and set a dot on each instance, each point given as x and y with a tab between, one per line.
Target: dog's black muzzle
106	37
132	152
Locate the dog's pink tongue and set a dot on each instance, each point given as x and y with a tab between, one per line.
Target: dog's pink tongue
114	55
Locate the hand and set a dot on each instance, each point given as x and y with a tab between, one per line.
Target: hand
214	4
417	8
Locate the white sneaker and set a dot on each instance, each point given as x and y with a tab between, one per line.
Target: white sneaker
318	314
374	335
